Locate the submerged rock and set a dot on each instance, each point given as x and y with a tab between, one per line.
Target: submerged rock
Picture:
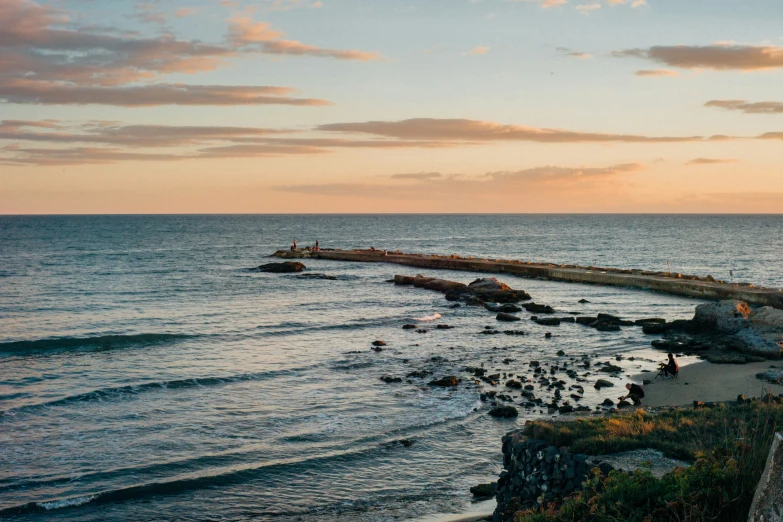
449	380
319	276
282	268
507	308
389	380
534	308
506	317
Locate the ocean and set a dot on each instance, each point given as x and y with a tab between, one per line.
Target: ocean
147	372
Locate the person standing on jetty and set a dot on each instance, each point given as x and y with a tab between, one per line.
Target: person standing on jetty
635	393
293	247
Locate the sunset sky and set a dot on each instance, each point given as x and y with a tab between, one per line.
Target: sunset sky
308	106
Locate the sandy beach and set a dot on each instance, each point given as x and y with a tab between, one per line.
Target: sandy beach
707	382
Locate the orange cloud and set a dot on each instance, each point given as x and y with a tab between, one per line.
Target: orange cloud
476	130
538	180
747	107
715	56
248	35
710	161
47	93
656	72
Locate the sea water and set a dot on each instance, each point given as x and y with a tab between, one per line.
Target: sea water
147	372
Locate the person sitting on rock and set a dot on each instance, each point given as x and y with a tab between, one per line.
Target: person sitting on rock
671	368
635	393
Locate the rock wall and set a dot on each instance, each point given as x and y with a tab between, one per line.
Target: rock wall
768	501
535	472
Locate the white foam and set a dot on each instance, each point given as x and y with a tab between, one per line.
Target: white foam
67	502
432	317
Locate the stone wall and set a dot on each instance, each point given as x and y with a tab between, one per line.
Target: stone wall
535	473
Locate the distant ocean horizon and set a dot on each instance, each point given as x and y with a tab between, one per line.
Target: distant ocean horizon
148	371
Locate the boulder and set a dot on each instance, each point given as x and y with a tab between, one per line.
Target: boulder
449	380
548	321
534	308
729	316
507	308
766	344
653	328
603	383
282	268
484	490
504	411
378	343
506	317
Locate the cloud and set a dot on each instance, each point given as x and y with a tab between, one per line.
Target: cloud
586	8
482	131
656	72
747	107
544	3
538	180
48	93
46	57
477	51
248	35
111	142
419	176
710	161
714	56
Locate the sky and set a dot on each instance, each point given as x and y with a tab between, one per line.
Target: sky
365	106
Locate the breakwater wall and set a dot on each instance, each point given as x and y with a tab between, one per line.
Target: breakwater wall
665	282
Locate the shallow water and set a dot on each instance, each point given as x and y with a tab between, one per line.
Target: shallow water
147	373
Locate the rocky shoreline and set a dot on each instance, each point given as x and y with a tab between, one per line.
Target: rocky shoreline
725	332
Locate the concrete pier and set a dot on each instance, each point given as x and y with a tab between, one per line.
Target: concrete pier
665	282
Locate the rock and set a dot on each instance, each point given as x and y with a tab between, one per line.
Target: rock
548	335
409	327
603	326
443	327
378	343
610	368
506	317
318	276
455	305
504	411
548	321
586	320
729	316
608	402
419	373
653	328
377	348
406	442
623	404
650	320
560	353
566	408
730	358
389	380
603	383
513	332
583	301
282	268
449	380
766	344
609	318
507	308
534	308
484	490
514	384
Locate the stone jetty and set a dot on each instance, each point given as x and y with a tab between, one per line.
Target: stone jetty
665	282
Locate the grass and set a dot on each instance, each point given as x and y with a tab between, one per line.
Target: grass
727	445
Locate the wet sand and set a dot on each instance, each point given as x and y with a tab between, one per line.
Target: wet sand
707	382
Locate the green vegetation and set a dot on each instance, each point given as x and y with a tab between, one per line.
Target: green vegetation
728	446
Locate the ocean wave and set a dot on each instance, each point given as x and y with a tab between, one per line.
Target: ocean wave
118	392
232	469
100	341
